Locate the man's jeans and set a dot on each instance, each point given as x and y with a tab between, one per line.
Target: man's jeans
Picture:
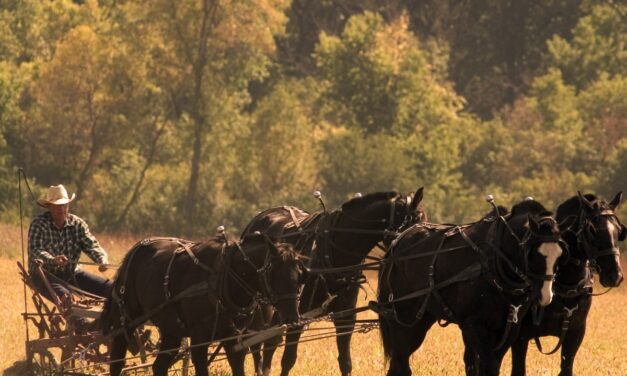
83	280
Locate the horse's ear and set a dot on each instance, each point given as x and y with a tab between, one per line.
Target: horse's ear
616	200
417	198
567	223
534	226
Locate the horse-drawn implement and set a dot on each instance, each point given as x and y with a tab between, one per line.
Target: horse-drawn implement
505	256
66	338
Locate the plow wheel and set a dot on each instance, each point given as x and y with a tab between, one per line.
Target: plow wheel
42	362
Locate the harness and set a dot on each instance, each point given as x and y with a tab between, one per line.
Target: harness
584	234
325	248
583	288
491	265
217	282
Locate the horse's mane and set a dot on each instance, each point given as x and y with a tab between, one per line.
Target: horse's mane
502	210
529	207
572	205
286	250
361	202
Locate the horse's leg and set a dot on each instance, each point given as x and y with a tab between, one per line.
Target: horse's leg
485	362
344	327
291	348
270	345
199	355
470	362
401	349
255	352
235	358
572	341
164	359
519	356
258	323
406	341
117	354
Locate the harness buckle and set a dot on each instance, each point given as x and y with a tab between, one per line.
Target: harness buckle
514	313
569	312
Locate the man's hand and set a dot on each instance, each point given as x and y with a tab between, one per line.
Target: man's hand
60	260
102	268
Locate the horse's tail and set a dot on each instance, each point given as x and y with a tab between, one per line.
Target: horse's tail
110	318
385	329
385	325
110	311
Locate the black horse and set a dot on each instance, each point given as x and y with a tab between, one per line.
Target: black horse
482	276
593	244
342	238
206	291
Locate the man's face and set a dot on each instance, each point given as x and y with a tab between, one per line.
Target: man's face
59	212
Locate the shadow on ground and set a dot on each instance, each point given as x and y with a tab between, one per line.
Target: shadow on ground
18	368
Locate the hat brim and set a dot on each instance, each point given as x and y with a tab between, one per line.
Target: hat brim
62	201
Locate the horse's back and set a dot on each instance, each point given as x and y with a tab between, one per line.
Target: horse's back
275	221
156	261
433	252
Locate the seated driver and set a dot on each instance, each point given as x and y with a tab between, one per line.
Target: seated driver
57	238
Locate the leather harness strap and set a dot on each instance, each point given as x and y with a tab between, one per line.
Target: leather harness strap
568	313
293	215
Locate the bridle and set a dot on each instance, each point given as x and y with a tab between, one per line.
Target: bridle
526	243
584	235
531	239
392	229
268	295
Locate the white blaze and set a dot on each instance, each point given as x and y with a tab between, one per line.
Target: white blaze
613	231
551	251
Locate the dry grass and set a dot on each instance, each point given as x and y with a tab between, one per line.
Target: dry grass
602	353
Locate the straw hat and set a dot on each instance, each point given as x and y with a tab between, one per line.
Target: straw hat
56	195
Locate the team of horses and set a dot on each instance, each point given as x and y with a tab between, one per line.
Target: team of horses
512	276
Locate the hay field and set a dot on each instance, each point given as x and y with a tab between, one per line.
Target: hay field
602	353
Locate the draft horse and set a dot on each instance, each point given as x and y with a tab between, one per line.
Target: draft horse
593	245
206	291
332	240
482	276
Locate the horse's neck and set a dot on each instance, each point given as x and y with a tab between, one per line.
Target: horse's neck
575	269
350	248
235	290
508	245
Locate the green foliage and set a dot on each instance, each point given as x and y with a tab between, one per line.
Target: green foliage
154	115
597	46
379	78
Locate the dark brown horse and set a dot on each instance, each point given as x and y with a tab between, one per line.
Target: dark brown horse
593	244
482	276
341	238
206	291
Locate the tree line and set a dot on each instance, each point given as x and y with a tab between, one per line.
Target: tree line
179	116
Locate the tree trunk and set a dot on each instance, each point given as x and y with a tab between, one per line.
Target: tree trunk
142	175
209	11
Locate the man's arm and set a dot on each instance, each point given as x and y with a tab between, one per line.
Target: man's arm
37	241
91	246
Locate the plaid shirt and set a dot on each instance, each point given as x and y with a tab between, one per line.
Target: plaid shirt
45	241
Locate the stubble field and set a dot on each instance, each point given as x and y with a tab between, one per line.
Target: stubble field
604	350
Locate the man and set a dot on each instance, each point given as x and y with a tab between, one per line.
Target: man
56	239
